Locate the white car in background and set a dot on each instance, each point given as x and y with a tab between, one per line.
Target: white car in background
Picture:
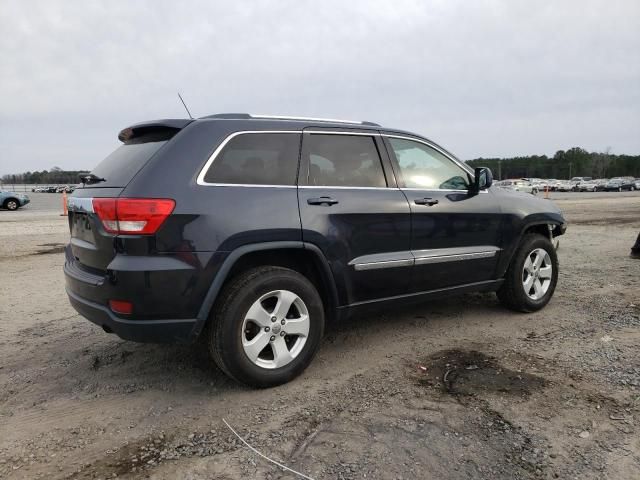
518	185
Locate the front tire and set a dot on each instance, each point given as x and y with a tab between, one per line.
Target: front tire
267	326
11	204
532	275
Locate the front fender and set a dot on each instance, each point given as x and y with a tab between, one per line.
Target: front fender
515	228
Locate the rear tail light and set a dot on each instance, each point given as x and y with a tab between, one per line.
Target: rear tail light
132	216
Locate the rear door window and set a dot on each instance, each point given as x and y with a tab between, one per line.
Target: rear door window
257	159
343	161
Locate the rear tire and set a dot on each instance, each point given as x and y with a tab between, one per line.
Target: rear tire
248	344
532	275
11	204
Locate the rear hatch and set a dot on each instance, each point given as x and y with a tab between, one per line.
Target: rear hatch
93	243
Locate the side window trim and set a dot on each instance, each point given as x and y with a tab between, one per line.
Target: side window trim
303	176
200	180
396	166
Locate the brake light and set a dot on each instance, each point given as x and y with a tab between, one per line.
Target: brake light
132	216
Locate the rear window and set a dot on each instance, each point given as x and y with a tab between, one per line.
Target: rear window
257	159
119	168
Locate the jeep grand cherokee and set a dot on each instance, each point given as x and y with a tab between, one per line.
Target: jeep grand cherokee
248	232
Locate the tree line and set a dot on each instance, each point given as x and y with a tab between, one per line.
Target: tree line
575	162
54	176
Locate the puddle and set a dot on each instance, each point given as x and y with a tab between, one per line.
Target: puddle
460	372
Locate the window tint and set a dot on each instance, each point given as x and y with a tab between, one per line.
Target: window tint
123	163
344	161
257	159
424	167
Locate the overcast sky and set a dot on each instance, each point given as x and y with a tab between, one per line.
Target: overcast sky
483	78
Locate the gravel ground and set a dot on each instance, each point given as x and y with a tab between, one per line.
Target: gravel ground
457	388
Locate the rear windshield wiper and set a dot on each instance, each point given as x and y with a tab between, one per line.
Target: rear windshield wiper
90	179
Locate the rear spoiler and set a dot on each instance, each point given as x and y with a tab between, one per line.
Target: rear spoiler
166	125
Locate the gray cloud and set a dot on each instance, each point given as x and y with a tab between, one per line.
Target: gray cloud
492	78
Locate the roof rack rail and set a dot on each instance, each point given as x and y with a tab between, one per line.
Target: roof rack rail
313	119
246	116
230	116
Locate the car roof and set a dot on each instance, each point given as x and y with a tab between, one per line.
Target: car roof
276	122
270	122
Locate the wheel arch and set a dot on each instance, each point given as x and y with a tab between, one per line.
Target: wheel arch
6	200
302	257
549	227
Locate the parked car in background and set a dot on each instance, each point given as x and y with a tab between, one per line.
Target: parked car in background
540	184
548	184
636	183
518	185
576	181
580	179
564	186
601	183
619	184
13	200
182	245
589	186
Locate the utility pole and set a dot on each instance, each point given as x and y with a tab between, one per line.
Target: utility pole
570	165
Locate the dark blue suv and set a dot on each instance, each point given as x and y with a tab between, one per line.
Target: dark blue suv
250	231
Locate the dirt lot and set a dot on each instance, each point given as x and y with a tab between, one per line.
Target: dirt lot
458	388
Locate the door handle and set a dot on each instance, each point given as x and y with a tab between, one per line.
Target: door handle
426	201
328	201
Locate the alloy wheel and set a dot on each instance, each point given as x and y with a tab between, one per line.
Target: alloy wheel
275	329
537	274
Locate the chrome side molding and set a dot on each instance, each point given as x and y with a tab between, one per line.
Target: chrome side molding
422	257
454	258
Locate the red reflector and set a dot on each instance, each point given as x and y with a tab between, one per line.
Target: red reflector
133	216
121	306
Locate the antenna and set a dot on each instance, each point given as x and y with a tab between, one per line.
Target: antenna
185	105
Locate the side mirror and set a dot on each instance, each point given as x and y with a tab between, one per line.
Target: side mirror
483	179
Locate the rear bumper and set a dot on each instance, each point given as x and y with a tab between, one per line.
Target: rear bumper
157	287
147	331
